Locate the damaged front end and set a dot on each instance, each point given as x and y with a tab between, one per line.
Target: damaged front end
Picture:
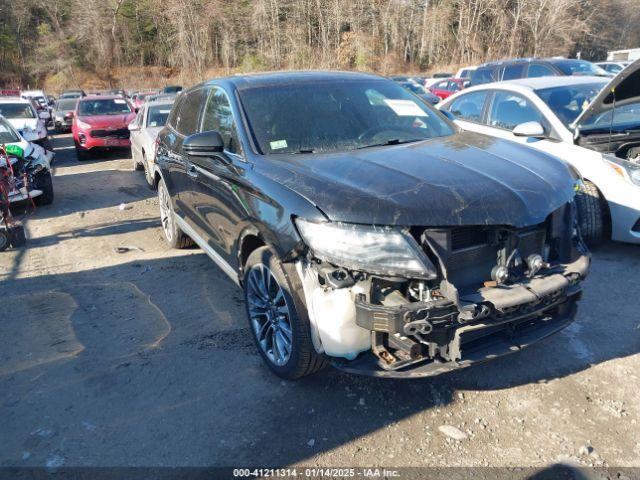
422	301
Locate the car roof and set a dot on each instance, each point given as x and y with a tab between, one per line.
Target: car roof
14	100
101	97
164	101
278	78
537	83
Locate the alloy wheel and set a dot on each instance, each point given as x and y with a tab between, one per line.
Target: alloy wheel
269	314
166	214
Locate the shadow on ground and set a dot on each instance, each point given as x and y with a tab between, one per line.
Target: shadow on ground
155	356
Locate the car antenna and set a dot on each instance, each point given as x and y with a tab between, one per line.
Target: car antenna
613	112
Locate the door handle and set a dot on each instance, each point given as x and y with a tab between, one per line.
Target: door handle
192	171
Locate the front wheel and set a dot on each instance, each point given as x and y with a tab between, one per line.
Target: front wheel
591	213
277	316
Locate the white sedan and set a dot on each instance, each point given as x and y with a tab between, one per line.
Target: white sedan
144	130
592	124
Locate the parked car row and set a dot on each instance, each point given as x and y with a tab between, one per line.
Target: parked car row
373	232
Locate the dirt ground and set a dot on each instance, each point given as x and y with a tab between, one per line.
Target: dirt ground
143	358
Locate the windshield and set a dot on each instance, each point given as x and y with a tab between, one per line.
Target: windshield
579	67
333	116
66	104
158	115
568	102
17	110
108	106
7	133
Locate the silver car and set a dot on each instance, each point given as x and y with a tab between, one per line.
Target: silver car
63	114
144	129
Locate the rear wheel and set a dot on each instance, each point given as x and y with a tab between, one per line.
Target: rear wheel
137	166
44	182
591	213
278	317
174	237
148	174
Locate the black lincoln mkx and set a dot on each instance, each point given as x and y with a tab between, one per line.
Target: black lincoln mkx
365	229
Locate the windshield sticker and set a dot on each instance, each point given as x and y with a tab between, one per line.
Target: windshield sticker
278	144
119	102
405	108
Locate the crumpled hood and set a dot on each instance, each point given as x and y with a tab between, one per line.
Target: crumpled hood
463	179
104	121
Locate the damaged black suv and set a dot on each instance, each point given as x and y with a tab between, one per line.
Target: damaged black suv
365	229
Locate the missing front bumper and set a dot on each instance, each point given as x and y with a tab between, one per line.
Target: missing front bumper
477	342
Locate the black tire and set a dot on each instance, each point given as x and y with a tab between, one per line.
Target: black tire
44	182
137	166
174	237
591	213
17	236
4	240
303	359
81	153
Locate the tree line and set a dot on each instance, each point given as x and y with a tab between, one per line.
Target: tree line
44	38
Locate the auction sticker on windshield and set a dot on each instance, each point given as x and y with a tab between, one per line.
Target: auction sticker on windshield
278	144
405	108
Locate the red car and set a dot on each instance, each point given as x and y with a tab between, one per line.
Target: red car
447	87
101	122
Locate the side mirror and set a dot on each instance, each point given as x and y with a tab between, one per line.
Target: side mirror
529	129
204	144
133	127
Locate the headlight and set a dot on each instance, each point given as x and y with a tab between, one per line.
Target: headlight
82	124
376	250
624	168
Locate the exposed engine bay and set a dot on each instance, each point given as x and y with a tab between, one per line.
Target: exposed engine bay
495	290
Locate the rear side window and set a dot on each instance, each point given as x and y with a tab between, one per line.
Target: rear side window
453	86
510	110
469	107
539	70
512	72
219	117
173	116
482	75
189	115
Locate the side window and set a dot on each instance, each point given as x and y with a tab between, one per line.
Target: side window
219	117
540	70
173	116
189	115
510	110
513	71
453	86
469	107
441	85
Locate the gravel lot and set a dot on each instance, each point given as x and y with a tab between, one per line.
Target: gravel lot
143	358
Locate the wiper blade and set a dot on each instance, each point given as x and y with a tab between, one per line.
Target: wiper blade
393	141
